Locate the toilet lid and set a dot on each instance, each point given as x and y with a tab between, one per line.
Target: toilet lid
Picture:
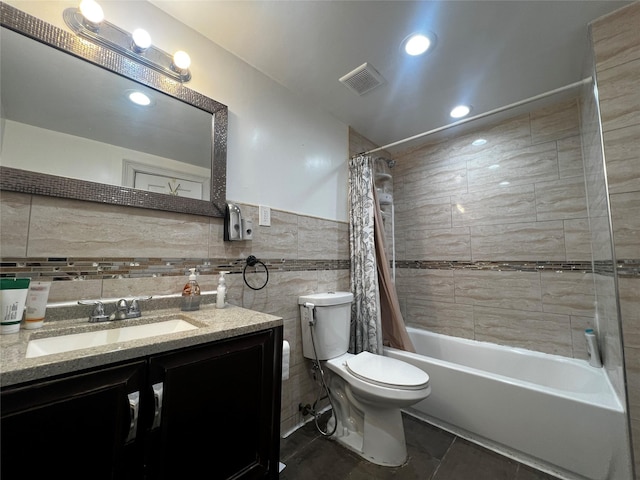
387	372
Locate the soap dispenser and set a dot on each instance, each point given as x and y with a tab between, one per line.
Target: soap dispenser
222	291
191	293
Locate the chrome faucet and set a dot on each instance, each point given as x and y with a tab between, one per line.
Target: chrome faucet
122	309
97	314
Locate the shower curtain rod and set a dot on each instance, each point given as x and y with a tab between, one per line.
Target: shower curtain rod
571	86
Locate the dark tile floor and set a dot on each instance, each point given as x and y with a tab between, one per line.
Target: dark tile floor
433	455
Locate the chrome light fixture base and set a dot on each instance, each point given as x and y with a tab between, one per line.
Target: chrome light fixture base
113	37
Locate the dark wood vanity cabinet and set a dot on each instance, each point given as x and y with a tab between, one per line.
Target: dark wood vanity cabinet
210	412
220	409
74	427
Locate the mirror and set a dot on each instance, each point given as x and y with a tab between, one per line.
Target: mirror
69	129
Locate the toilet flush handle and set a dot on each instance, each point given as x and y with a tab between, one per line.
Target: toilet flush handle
312	312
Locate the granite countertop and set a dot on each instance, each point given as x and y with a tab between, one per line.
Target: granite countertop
214	324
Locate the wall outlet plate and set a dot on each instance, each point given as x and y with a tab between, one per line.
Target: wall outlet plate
265	216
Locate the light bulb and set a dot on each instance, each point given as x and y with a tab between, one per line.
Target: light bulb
141	39
417	45
460	111
181	60
91	11
139	98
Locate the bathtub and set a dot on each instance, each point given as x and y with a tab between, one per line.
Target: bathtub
557	414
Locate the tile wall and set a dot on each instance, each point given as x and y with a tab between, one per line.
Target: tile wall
616	45
493	240
92	251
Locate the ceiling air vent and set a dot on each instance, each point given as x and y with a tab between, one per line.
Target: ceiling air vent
363	79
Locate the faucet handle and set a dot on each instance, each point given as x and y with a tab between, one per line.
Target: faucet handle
134	309
97	314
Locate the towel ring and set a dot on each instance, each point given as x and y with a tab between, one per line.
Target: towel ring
252	262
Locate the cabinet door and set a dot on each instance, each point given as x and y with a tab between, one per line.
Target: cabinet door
220	413
75	427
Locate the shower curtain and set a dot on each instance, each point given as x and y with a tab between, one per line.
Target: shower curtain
375	312
393	326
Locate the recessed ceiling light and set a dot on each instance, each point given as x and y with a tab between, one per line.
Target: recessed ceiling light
460	111
417	44
478	141
139	98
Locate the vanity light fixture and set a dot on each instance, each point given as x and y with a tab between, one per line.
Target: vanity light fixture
88	22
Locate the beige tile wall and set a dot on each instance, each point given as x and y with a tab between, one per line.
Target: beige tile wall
36	226
520	197
616	44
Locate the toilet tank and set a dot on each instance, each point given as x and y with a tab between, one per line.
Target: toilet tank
331	324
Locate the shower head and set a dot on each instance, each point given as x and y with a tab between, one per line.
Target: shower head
389	163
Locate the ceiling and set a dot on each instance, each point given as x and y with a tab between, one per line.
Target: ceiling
488	53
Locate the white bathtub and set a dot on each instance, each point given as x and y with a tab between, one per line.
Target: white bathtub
557	414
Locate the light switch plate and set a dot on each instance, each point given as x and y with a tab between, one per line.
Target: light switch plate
265	216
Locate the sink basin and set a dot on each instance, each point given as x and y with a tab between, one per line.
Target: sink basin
77	341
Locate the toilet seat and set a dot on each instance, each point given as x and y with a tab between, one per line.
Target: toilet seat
387	372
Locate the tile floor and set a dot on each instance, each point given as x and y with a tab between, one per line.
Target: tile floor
433	455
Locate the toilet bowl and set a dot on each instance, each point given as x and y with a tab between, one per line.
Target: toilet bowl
376	379
367	390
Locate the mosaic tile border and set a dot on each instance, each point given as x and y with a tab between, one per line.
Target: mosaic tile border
626	268
496	266
629	268
67	268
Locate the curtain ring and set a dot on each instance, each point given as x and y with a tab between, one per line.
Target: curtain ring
252	262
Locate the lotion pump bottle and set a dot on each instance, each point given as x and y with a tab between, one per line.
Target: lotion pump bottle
191	293
222	291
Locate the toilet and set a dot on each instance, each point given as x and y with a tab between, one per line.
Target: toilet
367	390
